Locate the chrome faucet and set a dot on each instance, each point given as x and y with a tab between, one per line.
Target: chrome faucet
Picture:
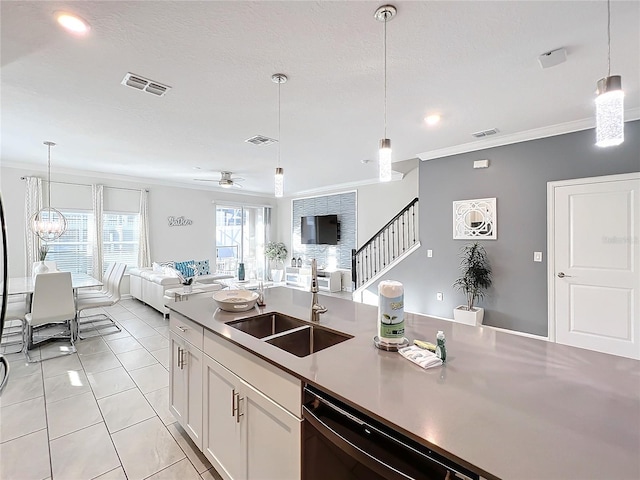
316	308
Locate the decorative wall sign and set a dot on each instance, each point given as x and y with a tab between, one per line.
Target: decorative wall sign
179	221
475	219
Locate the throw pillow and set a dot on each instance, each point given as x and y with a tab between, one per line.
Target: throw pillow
184	269
203	267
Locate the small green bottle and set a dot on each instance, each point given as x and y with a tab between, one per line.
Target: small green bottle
441	350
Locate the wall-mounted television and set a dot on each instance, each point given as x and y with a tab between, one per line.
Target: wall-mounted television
320	230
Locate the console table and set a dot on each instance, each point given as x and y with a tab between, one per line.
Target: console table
301	277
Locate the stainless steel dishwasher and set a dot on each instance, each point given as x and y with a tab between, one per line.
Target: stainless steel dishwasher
341	443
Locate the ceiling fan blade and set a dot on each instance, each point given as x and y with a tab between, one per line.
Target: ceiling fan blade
237	179
205	180
236	185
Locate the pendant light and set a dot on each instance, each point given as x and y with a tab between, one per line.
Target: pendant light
279	78
48	223
384	14
610	101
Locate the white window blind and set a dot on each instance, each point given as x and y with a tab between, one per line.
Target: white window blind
120	238
74	249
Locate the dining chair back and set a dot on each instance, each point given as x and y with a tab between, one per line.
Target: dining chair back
52	302
84	293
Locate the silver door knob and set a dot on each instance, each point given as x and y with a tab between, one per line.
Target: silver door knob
562	275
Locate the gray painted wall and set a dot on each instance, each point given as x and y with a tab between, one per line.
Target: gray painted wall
517	177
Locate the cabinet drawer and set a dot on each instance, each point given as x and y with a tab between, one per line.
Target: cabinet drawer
281	387
187	329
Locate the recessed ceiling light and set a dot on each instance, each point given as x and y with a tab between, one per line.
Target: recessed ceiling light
432	119
72	23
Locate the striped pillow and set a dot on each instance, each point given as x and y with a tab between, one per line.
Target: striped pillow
184	269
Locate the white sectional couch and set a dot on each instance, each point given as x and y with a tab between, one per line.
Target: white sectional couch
149	286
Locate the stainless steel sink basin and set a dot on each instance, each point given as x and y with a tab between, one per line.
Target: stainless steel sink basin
293	335
266	325
307	340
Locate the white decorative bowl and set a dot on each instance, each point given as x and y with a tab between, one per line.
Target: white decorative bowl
235	300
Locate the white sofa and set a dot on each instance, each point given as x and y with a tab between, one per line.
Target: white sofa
149	286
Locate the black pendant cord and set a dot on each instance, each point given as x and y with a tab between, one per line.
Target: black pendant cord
609	38
279	108
385	74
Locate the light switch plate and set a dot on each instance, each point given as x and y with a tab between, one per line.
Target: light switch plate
537	256
439	296
429	253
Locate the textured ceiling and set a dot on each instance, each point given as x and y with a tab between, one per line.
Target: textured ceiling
473	62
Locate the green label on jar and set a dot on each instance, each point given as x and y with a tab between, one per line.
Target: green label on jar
391	313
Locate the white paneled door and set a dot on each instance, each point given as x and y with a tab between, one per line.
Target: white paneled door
594	263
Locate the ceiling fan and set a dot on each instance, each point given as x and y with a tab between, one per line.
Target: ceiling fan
226	180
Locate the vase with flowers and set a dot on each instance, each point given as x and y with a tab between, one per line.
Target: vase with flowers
41	267
276	252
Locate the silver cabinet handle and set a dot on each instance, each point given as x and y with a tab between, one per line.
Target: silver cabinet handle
183	358
182	329
178	357
233	402
238	414
562	275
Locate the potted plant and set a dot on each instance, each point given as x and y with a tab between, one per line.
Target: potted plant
276	252
42	256
475	280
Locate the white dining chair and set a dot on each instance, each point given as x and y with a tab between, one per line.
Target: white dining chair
52	265
52	302
12	340
85	302
87	293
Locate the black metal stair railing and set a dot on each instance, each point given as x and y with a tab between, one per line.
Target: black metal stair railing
389	243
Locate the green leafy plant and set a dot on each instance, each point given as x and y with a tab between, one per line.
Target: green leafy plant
276	251
43	251
476	273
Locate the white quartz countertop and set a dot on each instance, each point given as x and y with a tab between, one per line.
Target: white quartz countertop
504	405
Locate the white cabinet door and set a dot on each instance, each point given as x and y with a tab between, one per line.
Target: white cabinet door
177	380
271	438
192	369
221	421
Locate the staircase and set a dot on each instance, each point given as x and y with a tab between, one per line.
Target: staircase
396	240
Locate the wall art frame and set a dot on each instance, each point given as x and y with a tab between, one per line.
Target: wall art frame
475	219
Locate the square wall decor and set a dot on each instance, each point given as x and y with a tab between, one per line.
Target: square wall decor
475	219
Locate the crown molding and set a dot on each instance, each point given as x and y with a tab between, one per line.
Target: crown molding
525	136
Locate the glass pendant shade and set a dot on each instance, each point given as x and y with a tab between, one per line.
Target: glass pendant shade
279	182
384	160
48	224
610	112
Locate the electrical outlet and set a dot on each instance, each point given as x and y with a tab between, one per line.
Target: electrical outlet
439	296
429	253
537	256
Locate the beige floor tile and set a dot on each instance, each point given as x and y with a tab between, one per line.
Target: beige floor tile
22	418
157	452
24	388
162	356
195	456
141	332
72	414
159	400
66	385
91	346
110	382
164	331
110	333
117	474
99	362
136	359
155	320
59	365
153	377
86	453
182	470
26	458
122	315
21	368
122	345
125	409
154	342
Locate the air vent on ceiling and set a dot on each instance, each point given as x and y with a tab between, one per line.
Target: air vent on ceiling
260	140
485	133
144	84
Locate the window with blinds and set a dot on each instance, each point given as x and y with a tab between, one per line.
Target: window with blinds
73	251
120	238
